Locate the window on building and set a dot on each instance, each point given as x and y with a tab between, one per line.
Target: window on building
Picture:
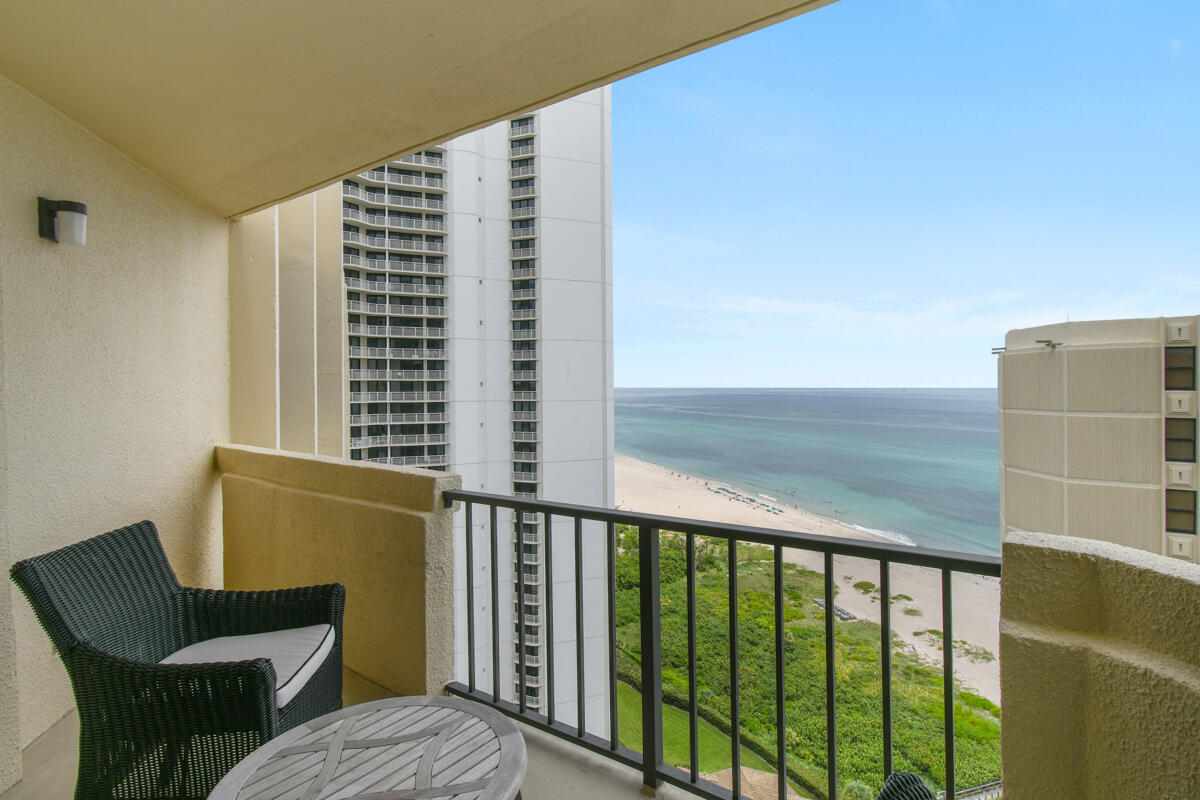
1180	439
1181	511
1180	371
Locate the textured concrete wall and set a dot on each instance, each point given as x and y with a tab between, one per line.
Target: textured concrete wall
381	531
1100	671
115	374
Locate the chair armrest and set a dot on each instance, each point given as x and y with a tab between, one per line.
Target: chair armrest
215	612
122	699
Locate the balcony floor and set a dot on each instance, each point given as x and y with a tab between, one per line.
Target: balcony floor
49	763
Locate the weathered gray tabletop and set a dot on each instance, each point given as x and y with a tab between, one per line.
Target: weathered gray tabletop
402	747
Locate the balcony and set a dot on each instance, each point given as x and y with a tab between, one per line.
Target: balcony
525	416
417	375
528	128
526	232
523	211
367	352
522	191
523	313
526	436
523	294
524	334
524	272
520	172
522	150
437	162
528	249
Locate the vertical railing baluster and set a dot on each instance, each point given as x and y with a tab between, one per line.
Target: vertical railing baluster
548	645
885	655
948	678
612	635
830	678
579	666
495	607
470	599
693	701
735	725
521	678
780	709
648	573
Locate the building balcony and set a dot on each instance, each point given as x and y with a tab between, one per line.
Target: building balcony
415	268
523	212
524	334
525	416
388	287
524	272
368	374
528	249
526	436
367	352
525	395
424	160
523	313
524	129
522	150
522	456
370	419
397	352
393	419
523	294
520	172
419	461
522	191
527	232
524	375
417	374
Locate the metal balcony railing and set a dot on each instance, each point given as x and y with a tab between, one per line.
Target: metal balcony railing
522	191
524	334
523	211
523	294
525	416
524	272
423	160
649	531
523	150
524	436
520	172
527	232
527	128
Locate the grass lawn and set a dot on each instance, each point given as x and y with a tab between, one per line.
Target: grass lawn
713	749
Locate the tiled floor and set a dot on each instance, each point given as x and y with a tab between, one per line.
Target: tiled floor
48	764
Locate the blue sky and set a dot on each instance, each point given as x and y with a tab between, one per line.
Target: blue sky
873	193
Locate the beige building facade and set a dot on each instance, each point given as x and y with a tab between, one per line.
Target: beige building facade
1098	432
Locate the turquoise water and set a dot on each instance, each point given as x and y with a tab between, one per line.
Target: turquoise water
918	465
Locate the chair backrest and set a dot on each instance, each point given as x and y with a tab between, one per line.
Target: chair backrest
116	592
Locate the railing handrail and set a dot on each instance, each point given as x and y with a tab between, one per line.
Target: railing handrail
834	545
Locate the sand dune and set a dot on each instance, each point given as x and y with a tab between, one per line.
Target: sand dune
652	489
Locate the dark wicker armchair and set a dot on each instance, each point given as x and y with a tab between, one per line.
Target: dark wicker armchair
114	610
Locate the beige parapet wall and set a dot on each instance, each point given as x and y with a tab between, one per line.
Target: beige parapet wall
293	519
1100	671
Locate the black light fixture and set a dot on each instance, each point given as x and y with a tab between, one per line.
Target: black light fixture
62	221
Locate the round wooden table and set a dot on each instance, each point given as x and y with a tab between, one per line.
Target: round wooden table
402	747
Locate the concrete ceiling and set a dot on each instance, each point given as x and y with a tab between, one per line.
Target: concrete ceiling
243	103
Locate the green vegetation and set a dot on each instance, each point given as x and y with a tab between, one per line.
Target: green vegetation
713	747
865	587
916	685
901	598
913	612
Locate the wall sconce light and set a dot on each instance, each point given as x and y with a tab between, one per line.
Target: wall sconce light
62	221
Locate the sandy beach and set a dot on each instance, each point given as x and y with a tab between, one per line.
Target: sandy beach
652	489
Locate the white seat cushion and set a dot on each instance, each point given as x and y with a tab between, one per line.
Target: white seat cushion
296	654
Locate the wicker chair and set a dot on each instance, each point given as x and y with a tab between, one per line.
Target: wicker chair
114	610
904	786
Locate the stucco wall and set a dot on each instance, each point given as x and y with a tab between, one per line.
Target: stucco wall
1100	671
115	374
381	531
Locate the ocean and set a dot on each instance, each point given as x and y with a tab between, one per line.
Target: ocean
920	466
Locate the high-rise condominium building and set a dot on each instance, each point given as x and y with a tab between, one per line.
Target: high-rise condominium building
478	279
1098	432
